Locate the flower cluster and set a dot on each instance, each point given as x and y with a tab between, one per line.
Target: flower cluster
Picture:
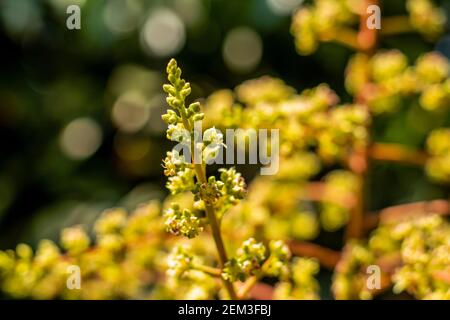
340	185
105	274
344	130
426	18
277	263
308	120
174	162
438	146
299	167
348	282
232	190
248	260
413	256
385	80
263	90
74	240
183	180
314	131
334	20
276	209
254	259
178	262
182	222
302	285
186	176
320	21
213	141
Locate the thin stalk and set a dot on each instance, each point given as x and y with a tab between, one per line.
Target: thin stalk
319	191
220	248
262	291
328	258
344	36
247	286
200	173
401	212
215	272
393	152
252	281
359	161
355	228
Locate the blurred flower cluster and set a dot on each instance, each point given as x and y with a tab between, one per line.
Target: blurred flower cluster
385	80
334	20
438	145
118	264
413	256
321	21
315	132
216	236
310	120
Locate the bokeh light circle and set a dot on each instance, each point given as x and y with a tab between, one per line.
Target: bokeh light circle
283	7
130	112
121	16
163	33
242	49
81	138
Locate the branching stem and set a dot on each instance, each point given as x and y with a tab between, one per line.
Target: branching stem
247	286
359	160
397	153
